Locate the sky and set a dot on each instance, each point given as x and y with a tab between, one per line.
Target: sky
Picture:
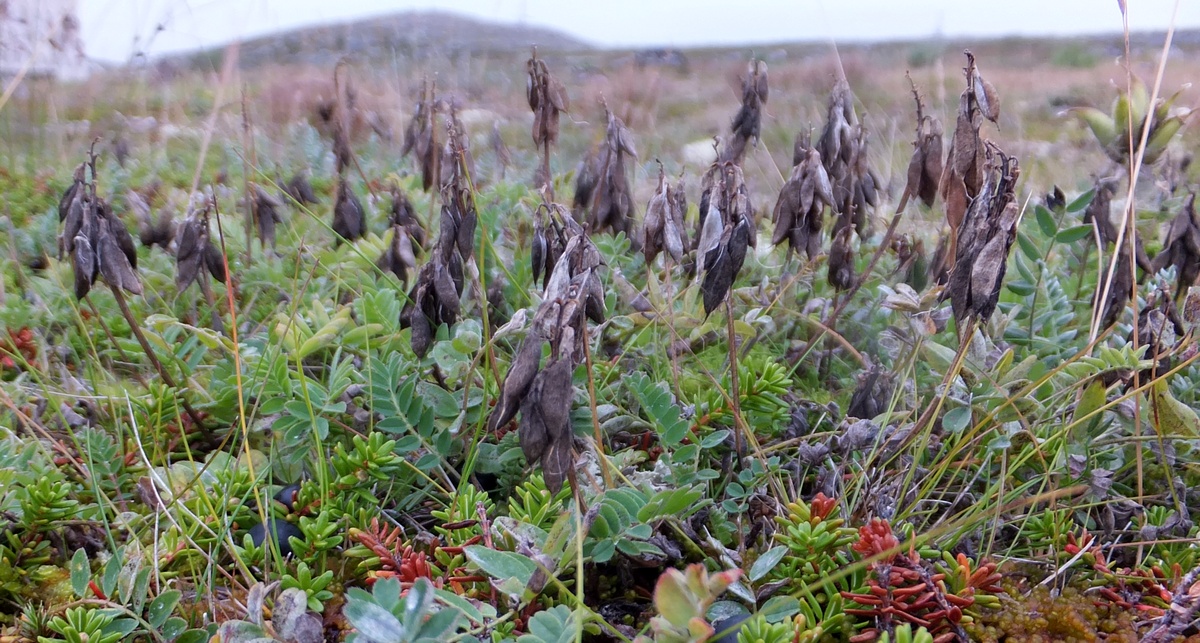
114	30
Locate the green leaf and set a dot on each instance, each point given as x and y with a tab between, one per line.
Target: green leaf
173	627
193	636
1093	397
656	403
956	419
1027	247
767	562
112	571
372	621
501	564
161	607
387	593
555	625
604	550
1172	418
454	601
81	572
1045	221
1082	201
778	608
1073	233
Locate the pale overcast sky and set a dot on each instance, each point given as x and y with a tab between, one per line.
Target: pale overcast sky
115	28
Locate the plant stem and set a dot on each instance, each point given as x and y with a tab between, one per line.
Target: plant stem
141	337
735	395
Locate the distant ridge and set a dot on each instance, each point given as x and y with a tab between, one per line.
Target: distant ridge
408	35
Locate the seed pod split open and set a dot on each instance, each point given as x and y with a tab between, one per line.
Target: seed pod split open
988	231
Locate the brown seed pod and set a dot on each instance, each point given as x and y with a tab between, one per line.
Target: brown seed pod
420	136
988	231
151	232
1121	290
872	395
191	248
113	249
525	364
349	220
799	210
402	214
962	177
1181	248
841	260
266	214
556	396
300	190
611	205
747	123
214	260
547	98
925	167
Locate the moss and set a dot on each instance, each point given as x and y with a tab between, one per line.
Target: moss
1038	615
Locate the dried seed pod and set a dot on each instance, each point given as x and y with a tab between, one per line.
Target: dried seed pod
987	235
1181	248
800	208
718	277
214	260
300	190
1099	211
120	233
266	214
555	398
587	175
872	395
654	222
349	220
191	248
73	190
403	214
612	206
841	261
1121	290
747	123
83	260
420	137
525	364
962	177
151	232
925	167
112	248
547	98
531	433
